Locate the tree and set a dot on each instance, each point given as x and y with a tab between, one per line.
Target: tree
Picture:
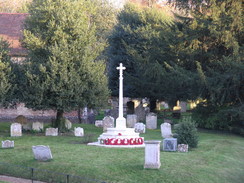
62	72
5	72
144	41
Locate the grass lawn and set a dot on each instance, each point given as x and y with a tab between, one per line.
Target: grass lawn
219	158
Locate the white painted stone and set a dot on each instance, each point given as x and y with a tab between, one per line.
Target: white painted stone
79	132
166	130
52	132
16	130
68	124
131	120
42	153
140	128
7	144
152	154
108	122
99	123
151	121
37	126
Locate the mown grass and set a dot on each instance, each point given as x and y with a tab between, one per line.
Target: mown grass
218	158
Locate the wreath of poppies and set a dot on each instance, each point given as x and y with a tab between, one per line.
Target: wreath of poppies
118	141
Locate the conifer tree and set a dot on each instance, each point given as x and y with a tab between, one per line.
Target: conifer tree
62	72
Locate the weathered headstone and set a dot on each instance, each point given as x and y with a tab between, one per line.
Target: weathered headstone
183	106
79	132
166	130
68	124
131	120
52	132
42	153
152	154
170	144
140	128
7	144
182	147
99	123
16	130
151	121
108	122
37	126
140	111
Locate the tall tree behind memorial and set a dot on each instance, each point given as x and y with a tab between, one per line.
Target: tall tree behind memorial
62	72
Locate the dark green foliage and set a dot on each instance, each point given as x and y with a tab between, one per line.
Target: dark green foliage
62	71
5	72
187	134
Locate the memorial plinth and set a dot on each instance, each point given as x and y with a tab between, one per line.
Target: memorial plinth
120	136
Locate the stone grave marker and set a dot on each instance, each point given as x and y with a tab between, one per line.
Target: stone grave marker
16	130
140	128
108	122
99	123
68	124
131	120
79	132
151	121
7	144
166	130
182	147
183	106
152	154
170	144
42	153
52	132
37	126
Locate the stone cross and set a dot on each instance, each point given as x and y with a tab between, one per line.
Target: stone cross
120	121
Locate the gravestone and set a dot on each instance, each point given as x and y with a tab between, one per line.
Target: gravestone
16	130
152	154
37	126
68	124
166	130
170	144
52	132
140	128
140	111
131	120
42	153
151	121
79	132
108	122
7	144
99	123
182	147
183	106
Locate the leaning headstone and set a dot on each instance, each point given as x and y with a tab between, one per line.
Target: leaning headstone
52	132
151	121
170	144
68	124
108	122
7	144
131	120
37	126
152	154
42	153
140	128
182	147
16	130
99	123
166	130
79	132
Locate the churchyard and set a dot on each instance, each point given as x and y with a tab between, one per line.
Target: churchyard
218	158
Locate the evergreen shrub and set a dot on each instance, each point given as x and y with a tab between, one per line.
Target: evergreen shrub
186	133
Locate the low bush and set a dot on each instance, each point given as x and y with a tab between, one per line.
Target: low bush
186	133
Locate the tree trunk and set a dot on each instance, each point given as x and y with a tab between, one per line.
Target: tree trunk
59	119
79	115
153	105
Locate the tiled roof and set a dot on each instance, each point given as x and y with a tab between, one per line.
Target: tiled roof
11	26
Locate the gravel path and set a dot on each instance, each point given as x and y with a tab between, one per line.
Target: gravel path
16	180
